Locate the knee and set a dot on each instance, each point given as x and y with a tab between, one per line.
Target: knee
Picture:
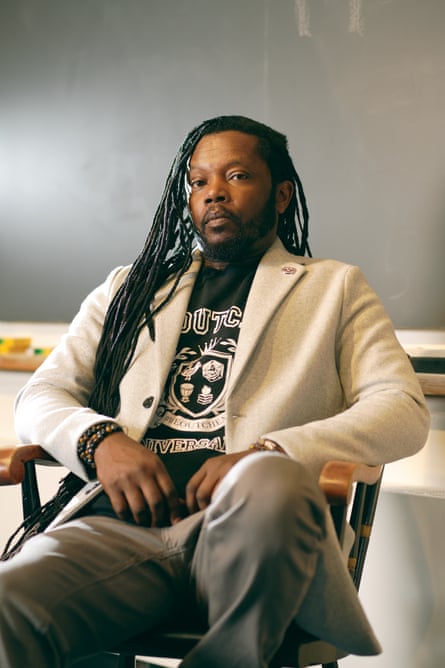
9	587
11	591
274	478
24	622
14	611
278	497
22	597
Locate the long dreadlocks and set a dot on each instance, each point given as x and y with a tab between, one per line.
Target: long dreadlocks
168	249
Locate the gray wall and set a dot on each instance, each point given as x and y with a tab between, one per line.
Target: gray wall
96	95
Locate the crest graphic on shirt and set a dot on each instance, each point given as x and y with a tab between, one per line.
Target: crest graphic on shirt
199	380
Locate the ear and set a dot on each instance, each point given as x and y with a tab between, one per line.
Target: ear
283	194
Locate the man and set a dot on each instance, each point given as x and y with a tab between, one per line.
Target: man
205	388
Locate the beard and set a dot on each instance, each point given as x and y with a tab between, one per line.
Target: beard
240	244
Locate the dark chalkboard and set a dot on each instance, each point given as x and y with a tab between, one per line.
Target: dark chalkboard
96	95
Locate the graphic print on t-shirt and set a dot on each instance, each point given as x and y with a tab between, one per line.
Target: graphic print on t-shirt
193	404
191	415
198	385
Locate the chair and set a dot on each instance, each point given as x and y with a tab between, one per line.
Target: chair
351	490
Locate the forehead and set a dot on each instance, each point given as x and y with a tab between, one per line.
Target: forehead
230	146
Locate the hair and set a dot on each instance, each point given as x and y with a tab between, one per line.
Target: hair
167	252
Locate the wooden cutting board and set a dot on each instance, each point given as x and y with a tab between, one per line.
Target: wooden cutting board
20	361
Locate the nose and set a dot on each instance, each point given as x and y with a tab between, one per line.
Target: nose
216	191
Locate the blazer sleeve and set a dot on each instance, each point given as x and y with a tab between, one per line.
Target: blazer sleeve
52	408
384	416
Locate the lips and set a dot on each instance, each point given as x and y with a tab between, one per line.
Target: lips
218	214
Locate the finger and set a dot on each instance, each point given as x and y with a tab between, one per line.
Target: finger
191	491
156	502
204	493
138	508
175	506
119	503
179	513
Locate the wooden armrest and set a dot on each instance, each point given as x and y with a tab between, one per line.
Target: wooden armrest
432	384
14	458
337	479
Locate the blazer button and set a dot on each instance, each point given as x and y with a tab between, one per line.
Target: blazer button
148	402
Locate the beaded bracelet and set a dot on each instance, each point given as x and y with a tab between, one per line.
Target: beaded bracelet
91	438
266	445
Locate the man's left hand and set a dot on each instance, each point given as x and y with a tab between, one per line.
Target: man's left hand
203	483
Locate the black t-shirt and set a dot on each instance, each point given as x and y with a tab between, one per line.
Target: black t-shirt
191	416
190	424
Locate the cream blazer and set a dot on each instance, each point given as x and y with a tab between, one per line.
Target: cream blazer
318	369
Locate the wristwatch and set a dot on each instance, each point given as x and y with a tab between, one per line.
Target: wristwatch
265	444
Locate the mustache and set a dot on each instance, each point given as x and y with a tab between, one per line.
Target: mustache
220	212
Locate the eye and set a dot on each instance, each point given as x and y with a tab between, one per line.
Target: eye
195	184
239	176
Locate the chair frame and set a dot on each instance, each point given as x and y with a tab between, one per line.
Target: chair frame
351	490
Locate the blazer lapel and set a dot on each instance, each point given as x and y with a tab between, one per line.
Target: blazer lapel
151	362
169	321
277	274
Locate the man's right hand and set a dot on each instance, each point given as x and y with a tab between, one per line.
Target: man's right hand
137	482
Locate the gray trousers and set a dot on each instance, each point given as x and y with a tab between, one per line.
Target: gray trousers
247	562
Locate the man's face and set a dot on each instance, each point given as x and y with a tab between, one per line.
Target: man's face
233	205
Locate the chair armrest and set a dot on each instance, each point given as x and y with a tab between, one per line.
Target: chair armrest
337	479
14	458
